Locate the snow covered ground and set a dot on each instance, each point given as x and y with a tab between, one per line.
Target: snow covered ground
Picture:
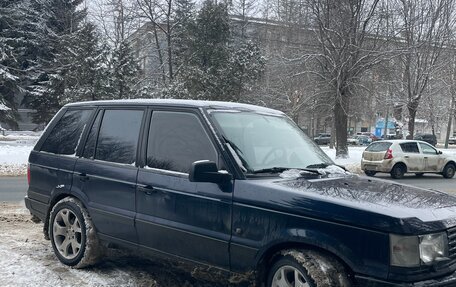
15	148
27	260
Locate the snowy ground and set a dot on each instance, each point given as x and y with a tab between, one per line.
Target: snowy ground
27	260
15	148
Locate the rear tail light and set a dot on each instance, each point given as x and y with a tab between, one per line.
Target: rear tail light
389	154
28	174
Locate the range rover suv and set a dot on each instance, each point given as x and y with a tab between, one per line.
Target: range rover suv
236	187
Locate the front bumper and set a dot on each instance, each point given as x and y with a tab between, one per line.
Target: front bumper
446	281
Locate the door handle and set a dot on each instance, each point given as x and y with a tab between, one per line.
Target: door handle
147	189
83	177
406	156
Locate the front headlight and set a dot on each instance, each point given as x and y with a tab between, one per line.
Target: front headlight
433	247
412	251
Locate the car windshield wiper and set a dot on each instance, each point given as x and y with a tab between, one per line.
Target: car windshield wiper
318	165
277	169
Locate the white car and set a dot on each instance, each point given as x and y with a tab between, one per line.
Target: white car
398	157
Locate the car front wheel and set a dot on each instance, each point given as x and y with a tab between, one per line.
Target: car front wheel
307	268
449	170
73	235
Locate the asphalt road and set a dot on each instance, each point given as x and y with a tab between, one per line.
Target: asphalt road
13	189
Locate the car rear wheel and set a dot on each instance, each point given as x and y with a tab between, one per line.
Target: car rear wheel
73	235
370	172
398	171
449	170
307	268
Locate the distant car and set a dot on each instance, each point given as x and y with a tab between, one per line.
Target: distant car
429	138
323	139
352	141
398	157
364	140
359	140
371	135
452	140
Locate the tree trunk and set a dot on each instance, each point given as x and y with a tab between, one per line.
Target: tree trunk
412	108
332	141
341	118
450	120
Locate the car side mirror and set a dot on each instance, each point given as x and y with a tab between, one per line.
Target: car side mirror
439	152
207	171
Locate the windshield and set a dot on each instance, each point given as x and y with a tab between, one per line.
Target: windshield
264	141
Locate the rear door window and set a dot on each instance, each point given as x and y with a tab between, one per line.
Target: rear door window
410	148
118	136
378	147
66	135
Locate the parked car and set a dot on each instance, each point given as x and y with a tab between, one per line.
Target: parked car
398	157
370	135
359	140
452	140
233	187
429	138
352	140
323	139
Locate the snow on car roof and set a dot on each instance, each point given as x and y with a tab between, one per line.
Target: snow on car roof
179	103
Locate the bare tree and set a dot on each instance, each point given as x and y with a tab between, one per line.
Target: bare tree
347	32
160	14
424	27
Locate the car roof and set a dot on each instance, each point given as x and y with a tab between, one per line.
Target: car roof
179	103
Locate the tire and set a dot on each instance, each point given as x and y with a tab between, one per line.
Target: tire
449	170
307	266
398	171
73	234
419	174
370	172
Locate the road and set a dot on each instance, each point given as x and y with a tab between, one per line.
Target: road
13	189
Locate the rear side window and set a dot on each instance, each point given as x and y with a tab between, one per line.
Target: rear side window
176	140
66	135
410	148
118	136
378	146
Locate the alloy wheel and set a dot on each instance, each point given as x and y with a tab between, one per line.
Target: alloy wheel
289	276
67	233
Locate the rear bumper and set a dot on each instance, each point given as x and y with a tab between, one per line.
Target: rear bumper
36	208
446	281
380	166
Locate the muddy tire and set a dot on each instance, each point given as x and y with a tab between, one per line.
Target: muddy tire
73	235
301	267
398	171
370	172
449	170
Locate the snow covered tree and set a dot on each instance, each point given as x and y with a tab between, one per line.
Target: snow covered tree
124	72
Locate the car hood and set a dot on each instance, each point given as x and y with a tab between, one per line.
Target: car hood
360	201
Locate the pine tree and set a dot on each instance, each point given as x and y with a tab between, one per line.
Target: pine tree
124	72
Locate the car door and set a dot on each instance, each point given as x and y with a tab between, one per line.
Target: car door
412	157
176	216
105	175
433	161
